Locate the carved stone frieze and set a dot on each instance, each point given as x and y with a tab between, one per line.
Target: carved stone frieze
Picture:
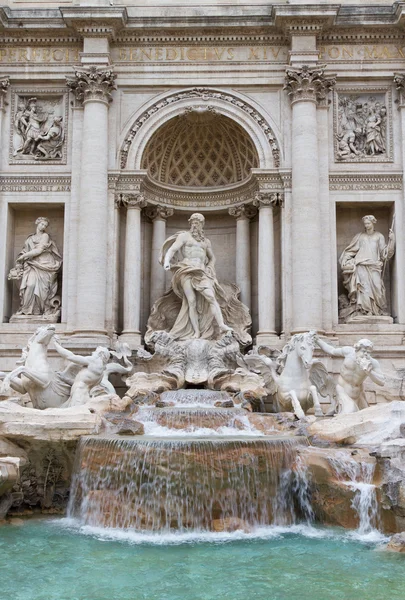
263	199
92	84
26	183
39	126
158	212
375	181
244	211
205	94
308	83
363	125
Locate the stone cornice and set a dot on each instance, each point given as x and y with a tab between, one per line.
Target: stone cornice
95	22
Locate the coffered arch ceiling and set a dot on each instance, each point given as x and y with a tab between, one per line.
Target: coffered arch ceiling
200	148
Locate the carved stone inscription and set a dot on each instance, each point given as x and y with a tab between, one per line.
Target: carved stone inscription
38	128
362	127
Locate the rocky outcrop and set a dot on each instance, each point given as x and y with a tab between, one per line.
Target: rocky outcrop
128	427
371	426
51	425
396	543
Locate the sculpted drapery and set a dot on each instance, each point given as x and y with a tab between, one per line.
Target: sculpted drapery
196	306
37	266
362	263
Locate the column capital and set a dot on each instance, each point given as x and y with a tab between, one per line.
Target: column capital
268	199
158	212
135	200
244	211
308	83
92	84
4	84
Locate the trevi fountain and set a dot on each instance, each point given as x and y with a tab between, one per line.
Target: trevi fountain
202	336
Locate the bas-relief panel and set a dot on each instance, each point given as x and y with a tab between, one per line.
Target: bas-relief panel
38	126
363	125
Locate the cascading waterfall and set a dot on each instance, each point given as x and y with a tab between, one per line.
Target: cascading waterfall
184	484
359	476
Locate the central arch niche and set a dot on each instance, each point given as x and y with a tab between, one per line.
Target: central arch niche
200	149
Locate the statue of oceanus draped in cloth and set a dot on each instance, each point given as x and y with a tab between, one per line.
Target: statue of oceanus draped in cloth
196	306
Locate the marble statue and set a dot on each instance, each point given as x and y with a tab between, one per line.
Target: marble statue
362	127
95	371
357	366
35	376
363	263
295	379
40	139
196	306
37	267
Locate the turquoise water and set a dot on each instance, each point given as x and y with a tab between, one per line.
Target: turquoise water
53	560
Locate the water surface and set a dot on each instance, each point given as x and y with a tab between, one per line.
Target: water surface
56	560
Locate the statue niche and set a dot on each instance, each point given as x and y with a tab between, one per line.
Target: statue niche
37	268
363	263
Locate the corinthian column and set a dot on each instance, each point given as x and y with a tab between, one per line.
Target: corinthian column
158	215
92	87
305	86
243	214
132	269
265	201
4	83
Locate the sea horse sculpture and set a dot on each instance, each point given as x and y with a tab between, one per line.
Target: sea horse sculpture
35	377
296	388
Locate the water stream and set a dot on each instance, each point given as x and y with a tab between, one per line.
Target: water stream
358	476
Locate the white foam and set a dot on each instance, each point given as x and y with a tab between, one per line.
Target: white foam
193	537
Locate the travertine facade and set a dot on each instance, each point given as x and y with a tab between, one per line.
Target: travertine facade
282	124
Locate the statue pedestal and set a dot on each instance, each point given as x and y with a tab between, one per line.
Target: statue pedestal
36	319
371	319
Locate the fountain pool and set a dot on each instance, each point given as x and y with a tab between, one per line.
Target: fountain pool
56	559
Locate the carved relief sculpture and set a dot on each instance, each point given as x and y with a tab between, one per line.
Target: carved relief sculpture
363	264
37	267
196	306
361	132
38	129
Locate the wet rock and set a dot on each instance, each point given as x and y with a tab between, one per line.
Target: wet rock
128	427
230	524
397	543
226	404
16	522
372	425
163	404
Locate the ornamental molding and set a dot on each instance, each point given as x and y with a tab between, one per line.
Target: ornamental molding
92	84
342	135
375	181
204	94
130	201
240	36
360	36
57	98
308	83
19	183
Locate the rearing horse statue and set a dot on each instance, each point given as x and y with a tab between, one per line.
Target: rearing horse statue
295	388
35	377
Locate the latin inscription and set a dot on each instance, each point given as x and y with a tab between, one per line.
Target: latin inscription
202	54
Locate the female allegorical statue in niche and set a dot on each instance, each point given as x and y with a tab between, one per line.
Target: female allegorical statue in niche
37	267
362	263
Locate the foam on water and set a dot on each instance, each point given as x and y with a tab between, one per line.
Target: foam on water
192	537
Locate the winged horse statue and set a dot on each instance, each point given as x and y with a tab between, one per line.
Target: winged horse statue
294	379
